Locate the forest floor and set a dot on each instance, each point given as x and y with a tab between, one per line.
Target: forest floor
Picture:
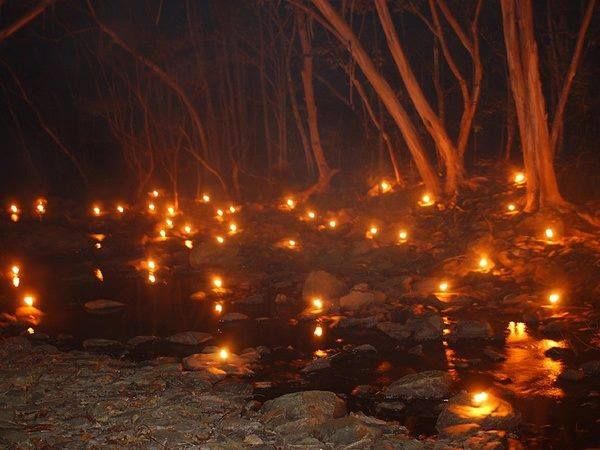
476	298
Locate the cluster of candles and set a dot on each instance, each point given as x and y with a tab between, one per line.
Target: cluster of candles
39	209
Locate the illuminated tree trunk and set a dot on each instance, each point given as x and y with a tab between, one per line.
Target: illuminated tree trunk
524	76
385	92
325	172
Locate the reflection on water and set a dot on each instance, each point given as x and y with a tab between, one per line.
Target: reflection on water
532	372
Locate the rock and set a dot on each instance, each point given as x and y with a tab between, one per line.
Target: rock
103	306
317	365
318	406
253	439
102	344
347	431
356	300
189	338
460	431
432	384
140	340
395	330
426	327
470	329
493	354
390	407
356	322
233	317
591	368
323	284
493	414
573	375
252	300
559	353
198	295
364	391
205	253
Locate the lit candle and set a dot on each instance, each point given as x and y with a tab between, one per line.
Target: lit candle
291	243
220	212
189	244
154	193
98	245
14	217
549	233
187	229
151	264
98	274
14	208
318	331
163	233
220	239
385	187
15	270
403	235
232	227
483	263
426	200
152	278
171	210
373	230
311	215
16	281
152	207
519	178
40	206
30	330
169	223
96	210
511	207
554	298
205	198
120	209
479	398
291	204
223	354
29	300
218	308
317	303
332	223
232	209
217	282
443	286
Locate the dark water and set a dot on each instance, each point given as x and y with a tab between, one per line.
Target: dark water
556	415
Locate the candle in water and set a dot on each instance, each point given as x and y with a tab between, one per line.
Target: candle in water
232	209
29	300
16	281
151	264
291	243
40	206
479	398
483	263
30	330
15	270
187	229
14	209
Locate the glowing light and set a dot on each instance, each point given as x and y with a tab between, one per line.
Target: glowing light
554	298
171	210
549	233
232	227
14	217
16	281
15	270
311	215
220	239
163	233
332	223
169	223
189	244
29	300
218	308
220	212
96	210
98	245
152	278
217	282
385	186
40	206
403	235
426	200
479	398
223	354
232	209
290	202
30	330
152	207
187	229
291	243
511	207
443	286
154	193
483	263
519	178
151	264
98	274
318	331
317	303
120	209
205	198
14	209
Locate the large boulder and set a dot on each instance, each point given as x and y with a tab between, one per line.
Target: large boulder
426	327
323	284
355	300
431	384
314	406
470	329
493	414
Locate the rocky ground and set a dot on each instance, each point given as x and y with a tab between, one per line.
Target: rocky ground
387	347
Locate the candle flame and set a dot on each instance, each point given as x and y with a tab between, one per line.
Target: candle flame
519	178
187	229
189	244
205	198
220	239
171	210
483	262
554	298
311	215
233	227
40	206
223	354
217	282
162	233
403	235
152	278
151	207
232	209
480	397
218	308
385	186
443	286
120	209
292	243
549	232
426	200
318	331
16	281
154	193
29	300
151	264
332	223
14	209
30	330
15	270
317	303
96	210
511	207
169	223
98	274
14	217
290	202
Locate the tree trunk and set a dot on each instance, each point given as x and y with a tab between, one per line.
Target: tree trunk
385	92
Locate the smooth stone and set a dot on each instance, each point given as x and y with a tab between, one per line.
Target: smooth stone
322	284
318	406
139	340
470	329
233	317
356	300
103	306
189	338
431	384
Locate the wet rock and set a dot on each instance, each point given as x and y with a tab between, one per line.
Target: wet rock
470	329
395	330
431	384
493	414
317	365
189	338
103	306
559	353
102	345
364	391
356	322
233	317
426	327
390	407
591	368
493	355
141	340
356	300
573	375
252	300
460	431
346	431
313	406
323	284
